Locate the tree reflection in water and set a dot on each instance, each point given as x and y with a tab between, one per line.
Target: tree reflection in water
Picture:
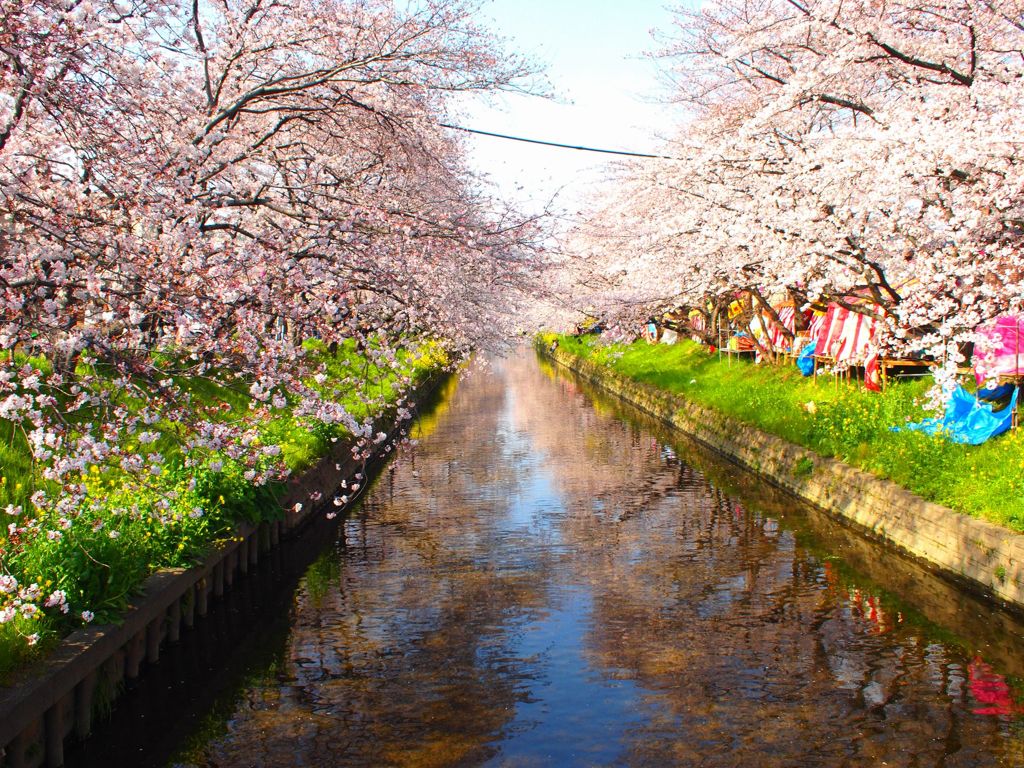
541	583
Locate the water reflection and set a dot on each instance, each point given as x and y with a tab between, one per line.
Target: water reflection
541	583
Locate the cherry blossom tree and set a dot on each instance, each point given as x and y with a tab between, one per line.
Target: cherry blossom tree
217	182
836	150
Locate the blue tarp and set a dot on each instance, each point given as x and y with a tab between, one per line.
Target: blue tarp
969	419
805	361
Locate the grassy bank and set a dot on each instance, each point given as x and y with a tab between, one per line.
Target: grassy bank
62	566
834	418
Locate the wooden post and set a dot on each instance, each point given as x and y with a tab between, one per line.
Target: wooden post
174	621
218	579
53	736
254	549
16	751
201	602
135	653
153	640
230	564
83	705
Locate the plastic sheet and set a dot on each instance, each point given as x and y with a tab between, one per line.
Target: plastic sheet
805	361
969	418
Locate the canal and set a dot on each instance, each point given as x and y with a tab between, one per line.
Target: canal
547	579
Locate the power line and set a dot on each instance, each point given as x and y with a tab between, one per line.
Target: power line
554	143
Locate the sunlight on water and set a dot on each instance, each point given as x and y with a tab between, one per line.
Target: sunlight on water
542	583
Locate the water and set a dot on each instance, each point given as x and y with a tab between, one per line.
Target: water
543	582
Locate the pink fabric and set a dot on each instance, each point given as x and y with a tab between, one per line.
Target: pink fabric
857	333
872	371
1007	359
848	337
788	317
777	338
829	339
816	324
845	336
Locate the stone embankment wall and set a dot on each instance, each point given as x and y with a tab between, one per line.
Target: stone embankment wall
981	556
47	705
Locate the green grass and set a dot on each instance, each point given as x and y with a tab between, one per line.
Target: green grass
127	529
835	418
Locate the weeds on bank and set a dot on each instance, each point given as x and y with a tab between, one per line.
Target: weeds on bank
125	532
834	418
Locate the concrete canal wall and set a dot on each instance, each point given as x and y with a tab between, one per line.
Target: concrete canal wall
46	705
979	555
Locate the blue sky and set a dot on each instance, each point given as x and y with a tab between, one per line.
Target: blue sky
593	57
